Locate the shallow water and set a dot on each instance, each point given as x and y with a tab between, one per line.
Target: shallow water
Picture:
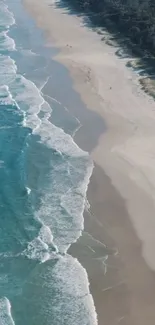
44	177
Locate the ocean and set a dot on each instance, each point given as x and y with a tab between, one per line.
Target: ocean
44	177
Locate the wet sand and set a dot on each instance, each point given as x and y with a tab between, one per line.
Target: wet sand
117	246
122	285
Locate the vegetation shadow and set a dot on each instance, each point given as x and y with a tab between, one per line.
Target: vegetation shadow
141	59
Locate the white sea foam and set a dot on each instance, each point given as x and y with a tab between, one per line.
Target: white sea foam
29	97
28	52
87	205
46	235
5	96
6	42
61	212
58	230
75	298
44	84
5	312
28	190
57	139
6	17
72	202
8	70
39	249
26	95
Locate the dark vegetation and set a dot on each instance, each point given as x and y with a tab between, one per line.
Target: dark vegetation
133	19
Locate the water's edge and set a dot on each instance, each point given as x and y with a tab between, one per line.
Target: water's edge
36	121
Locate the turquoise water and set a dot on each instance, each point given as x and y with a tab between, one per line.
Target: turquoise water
43	182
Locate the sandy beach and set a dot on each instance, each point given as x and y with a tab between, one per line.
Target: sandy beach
117	246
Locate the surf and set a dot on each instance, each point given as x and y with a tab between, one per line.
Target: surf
45	177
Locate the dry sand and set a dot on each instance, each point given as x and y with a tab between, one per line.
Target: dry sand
123	196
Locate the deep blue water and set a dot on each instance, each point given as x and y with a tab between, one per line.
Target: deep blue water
43	183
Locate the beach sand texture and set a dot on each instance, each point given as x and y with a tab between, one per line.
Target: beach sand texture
121	191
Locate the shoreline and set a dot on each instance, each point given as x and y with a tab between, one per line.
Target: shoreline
121	187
